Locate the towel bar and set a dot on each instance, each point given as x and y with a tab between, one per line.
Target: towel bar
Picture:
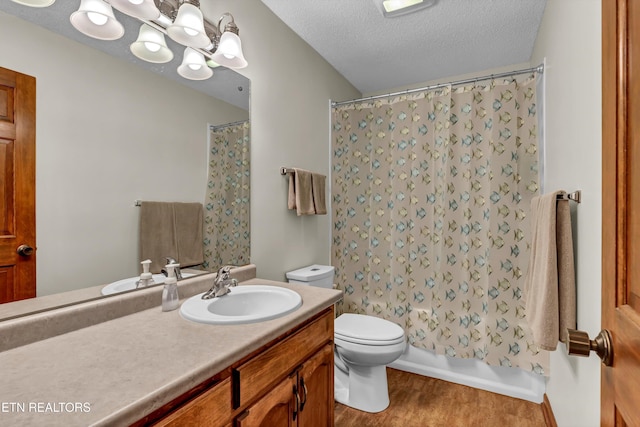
284	171
576	196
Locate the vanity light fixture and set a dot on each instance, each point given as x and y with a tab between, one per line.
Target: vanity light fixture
141	9
208	46
193	66
188	27
35	3
393	8
212	64
229	49
150	46
95	19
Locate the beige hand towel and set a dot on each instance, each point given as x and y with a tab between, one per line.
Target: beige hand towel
300	193
291	202
157	234
318	192
550	290
566	270
188	219
173	230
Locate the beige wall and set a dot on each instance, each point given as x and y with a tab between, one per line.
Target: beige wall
569	39
291	89
291	86
569	42
107	133
290	92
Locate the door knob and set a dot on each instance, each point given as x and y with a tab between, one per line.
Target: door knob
25	250
579	344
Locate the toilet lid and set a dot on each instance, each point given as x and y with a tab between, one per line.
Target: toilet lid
363	329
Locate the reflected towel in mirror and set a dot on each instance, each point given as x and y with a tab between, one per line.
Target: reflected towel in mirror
318	191
173	230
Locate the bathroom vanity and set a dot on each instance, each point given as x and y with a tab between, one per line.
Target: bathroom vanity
155	368
288	382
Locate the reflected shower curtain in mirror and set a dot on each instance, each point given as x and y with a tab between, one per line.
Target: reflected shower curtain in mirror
430	196
226	220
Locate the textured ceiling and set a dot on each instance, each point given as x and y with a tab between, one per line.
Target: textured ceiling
224	84
452	37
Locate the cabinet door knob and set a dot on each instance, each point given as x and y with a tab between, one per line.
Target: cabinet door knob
296	409
304	388
579	344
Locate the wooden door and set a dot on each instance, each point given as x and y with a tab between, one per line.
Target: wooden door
276	409
315	384
17	188
620	390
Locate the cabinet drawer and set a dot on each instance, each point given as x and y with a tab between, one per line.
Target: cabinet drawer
269	367
211	408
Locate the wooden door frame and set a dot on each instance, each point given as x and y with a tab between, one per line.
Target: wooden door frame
610	177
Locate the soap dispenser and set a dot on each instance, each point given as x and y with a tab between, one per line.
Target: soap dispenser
146	278
170	300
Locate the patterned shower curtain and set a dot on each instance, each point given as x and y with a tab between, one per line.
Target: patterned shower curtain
430	200
226	219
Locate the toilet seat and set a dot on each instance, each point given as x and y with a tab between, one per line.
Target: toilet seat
367	330
352	340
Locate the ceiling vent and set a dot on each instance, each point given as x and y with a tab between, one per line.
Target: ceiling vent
393	8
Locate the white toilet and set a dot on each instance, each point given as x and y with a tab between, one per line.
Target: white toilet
364	345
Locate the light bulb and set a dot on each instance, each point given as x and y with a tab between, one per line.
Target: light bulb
193	66
152	47
188	27
190	32
145	10
35	3
229	52
97	18
229	49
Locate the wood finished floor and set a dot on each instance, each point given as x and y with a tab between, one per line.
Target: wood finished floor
418	401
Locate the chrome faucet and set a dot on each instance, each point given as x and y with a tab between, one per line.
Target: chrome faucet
176	270
221	283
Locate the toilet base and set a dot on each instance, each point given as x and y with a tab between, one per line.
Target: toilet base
364	388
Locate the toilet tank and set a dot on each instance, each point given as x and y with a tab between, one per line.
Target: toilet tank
314	275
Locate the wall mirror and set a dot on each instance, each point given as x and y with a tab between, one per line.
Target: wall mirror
110	129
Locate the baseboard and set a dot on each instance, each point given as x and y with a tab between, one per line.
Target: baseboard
547	412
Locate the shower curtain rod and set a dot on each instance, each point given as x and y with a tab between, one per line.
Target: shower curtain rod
226	125
538	69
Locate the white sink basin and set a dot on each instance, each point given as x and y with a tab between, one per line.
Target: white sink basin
130	283
244	304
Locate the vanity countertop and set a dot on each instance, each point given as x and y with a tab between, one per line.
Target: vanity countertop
118	371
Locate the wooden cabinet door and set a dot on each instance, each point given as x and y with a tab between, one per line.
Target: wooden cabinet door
260	373
211	408
17	186
620	390
315	384
276	409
